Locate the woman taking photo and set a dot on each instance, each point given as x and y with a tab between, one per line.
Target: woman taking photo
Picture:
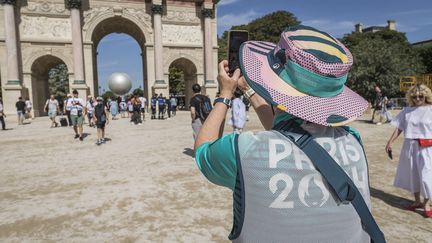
414	172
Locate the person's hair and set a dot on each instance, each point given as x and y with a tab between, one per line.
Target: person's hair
196	88
20	98
422	90
75	91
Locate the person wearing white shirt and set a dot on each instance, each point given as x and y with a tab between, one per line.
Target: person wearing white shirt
414	172
76	113
90	110
29	106
143	106
238	118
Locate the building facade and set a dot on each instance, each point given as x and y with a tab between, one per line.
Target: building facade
38	35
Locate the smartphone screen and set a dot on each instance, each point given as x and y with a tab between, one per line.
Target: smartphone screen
235	39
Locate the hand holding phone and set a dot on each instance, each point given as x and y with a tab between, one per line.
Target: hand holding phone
235	39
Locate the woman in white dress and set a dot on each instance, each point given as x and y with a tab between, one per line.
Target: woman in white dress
414	172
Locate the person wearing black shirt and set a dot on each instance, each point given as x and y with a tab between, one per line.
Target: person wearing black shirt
21	107
195	103
101	119
2	115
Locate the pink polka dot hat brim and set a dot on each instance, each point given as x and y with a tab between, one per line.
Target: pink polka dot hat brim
329	111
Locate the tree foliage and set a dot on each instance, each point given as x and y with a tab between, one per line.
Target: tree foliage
109	95
138	92
380	58
267	28
176	80
58	81
425	54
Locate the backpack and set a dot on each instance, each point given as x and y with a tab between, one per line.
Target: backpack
204	107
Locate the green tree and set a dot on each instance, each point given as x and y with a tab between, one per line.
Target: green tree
425	54
109	95
176	80
58	81
267	28
380	59
138	92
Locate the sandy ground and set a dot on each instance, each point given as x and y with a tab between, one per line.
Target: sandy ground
144	186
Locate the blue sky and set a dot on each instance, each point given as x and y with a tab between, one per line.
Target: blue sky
121	53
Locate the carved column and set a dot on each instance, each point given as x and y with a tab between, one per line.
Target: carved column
78	56
157	10
11	42
208	45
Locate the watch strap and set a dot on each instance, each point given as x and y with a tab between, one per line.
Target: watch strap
249	93
226	101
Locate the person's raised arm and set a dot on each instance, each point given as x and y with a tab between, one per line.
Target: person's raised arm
211	129
263	109
393	137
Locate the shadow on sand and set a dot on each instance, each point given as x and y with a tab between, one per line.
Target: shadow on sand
392	200
189	152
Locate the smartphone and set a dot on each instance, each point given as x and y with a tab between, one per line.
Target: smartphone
235	39
390	155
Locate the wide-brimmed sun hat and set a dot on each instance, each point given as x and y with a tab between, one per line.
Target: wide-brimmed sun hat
304	75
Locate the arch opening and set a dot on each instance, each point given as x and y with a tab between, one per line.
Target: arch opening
183	74
114	40
49	75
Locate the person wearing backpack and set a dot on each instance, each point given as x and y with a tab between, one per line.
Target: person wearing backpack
101	119
200	107
305	178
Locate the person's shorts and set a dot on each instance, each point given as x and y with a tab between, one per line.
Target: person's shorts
142	110
100	125
52	114
89	115
77	120
20	113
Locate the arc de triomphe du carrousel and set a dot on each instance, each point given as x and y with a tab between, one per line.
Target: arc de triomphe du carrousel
36	35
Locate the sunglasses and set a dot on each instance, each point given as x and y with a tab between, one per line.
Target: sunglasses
417	96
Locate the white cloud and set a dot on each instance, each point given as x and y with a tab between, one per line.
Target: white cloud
226	2
226	21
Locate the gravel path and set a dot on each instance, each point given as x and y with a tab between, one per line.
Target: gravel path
144	186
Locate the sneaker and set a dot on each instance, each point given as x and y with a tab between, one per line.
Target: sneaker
103	140
98	143
379	123
76	136
81	138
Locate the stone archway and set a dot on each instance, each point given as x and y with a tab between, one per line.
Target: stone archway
124	25
190	76
39	81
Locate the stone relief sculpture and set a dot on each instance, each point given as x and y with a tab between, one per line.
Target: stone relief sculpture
45	7
44	27
181	16
182	34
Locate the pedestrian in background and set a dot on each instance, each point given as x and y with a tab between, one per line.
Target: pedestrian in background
76	105
2	115
21	109
67	108
90	110
173	101
52	107
238	112
414	171
101	119
29	107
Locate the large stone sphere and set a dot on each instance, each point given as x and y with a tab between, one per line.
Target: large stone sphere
119	83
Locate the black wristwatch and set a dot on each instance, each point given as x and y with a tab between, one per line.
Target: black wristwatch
226	101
